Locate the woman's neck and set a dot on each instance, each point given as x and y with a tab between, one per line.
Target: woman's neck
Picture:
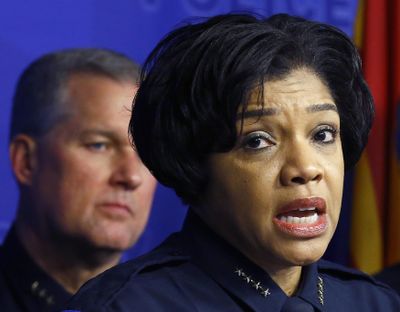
288	279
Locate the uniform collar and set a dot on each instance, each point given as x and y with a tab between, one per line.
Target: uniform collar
244	280
27	279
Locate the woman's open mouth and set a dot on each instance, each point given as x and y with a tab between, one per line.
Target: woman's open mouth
303	218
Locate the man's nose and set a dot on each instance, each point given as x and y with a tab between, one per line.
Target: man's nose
128	171
301	165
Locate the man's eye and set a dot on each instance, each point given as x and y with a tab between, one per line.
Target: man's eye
326	135
257	140
97	146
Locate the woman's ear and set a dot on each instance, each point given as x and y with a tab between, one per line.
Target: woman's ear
23	157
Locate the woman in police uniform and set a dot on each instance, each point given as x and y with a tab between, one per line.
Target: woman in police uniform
252	122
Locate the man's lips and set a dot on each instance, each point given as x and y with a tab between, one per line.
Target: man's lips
303	217
117	207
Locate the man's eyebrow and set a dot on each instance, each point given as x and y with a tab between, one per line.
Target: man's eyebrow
99	132
95	131
257	113
321	107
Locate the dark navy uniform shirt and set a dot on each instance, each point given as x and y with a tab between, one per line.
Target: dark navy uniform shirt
23	285
390	276
195	270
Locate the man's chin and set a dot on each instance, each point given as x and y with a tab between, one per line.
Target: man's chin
116	243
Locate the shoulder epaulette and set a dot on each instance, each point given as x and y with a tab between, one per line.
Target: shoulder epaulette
345	273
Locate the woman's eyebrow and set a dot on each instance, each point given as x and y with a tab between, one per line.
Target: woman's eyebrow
321	107
273	111
257	113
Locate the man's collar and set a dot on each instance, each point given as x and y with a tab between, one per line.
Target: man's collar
26	276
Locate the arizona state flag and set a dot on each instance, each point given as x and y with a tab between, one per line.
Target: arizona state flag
376	197
393	213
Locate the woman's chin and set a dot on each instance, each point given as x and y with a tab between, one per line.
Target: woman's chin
306	255
301	253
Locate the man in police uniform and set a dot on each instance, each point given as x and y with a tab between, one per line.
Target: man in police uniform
85	195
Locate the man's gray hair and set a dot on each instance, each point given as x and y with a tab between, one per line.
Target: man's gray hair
39	90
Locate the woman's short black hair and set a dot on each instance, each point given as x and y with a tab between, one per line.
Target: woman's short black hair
196	78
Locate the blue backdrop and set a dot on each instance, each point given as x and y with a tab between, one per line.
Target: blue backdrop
29	28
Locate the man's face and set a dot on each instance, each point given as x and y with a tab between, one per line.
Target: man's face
277	195
88	184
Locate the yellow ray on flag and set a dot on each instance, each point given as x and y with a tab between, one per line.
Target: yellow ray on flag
366	237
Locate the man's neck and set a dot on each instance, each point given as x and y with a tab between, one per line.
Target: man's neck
67	263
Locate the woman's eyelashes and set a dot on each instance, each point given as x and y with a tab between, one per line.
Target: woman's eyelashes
257	140
325	134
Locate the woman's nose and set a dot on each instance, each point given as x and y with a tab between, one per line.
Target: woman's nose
301	165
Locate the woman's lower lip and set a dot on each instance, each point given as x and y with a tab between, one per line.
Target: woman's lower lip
303	230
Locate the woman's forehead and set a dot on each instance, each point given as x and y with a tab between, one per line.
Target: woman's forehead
301	86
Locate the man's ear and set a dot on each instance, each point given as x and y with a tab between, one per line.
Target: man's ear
23	157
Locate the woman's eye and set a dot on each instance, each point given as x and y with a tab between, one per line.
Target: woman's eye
257	140
325	135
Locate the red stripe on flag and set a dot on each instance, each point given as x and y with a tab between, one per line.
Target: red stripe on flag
375	60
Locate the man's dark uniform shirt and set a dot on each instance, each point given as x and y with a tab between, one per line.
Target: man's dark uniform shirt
194	270
23	285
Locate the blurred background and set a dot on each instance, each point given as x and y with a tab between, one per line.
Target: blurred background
368	235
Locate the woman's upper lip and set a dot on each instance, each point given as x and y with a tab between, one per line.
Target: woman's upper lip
309	202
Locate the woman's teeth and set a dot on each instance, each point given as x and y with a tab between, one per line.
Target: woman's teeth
307	209
307	220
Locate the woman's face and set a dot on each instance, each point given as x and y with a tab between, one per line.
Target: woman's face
276	195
